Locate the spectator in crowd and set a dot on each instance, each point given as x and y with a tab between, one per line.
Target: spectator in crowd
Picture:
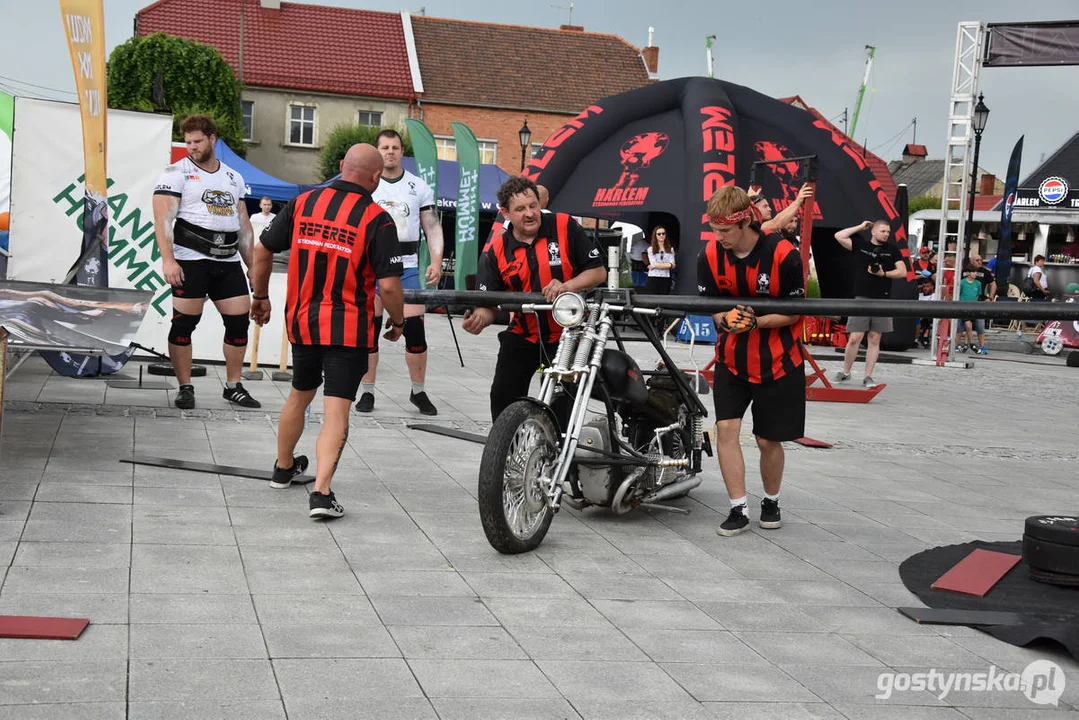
876	263
924	263
1039	289
986	278
660	263
970	289
262	219
927	291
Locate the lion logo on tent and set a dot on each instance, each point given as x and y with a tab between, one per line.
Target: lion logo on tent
638	153
785	173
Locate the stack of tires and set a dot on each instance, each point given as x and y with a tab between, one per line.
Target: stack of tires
1051	549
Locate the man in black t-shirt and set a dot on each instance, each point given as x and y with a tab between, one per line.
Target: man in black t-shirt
876	263
986	278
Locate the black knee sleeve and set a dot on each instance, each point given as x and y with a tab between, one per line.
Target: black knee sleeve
236	329
183	326
415	335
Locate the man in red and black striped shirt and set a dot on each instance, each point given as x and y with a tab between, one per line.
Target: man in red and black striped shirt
758	359
341	243
539	252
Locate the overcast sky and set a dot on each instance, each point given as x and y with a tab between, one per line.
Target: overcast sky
812	48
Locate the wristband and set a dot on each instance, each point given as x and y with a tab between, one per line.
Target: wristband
260	297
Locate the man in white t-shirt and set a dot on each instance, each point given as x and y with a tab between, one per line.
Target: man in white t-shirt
411	203
261	220
202	231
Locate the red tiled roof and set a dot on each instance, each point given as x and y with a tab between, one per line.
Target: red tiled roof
878	166
915	150
473	63
300	47
986	202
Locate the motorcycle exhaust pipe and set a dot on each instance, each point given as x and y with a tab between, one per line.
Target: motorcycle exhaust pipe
670	491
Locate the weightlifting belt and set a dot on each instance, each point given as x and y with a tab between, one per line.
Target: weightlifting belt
208	242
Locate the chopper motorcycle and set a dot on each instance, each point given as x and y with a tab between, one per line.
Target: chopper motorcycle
643	447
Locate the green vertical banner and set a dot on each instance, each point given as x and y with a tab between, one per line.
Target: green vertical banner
7	114
426	154
466	250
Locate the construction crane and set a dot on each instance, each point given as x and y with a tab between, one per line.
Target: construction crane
871	51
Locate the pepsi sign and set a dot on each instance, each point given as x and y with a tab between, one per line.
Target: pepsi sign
1052	193
1053	190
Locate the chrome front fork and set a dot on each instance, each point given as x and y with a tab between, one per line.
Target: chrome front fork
590	348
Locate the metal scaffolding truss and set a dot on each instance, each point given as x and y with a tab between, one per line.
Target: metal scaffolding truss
969	54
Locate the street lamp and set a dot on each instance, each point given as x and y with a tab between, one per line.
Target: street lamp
981	117
526	135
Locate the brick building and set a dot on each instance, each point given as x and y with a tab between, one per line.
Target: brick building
494	91
308	68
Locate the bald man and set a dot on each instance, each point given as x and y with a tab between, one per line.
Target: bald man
342	246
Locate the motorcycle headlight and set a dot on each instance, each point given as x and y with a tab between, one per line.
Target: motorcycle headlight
568	310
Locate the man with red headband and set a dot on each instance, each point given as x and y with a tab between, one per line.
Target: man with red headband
758	358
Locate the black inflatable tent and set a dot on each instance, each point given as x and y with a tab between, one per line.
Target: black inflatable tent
656	154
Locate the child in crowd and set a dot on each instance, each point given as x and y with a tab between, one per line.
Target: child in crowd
926	291
970	289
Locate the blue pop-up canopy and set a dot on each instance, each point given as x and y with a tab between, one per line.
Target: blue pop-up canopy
259	183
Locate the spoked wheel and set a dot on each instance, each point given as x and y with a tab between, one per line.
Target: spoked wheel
521	450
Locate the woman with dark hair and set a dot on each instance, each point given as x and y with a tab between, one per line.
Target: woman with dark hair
660	263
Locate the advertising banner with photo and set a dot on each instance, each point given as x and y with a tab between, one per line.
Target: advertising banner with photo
47	199
84	25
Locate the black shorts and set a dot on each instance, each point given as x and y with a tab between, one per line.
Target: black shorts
779	407
343	368
213	278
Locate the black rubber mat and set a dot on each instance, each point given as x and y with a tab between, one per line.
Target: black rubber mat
1049	611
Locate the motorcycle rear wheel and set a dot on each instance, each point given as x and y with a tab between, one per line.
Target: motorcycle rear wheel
521	447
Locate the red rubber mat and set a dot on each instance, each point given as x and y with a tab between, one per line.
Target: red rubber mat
41	628
977	573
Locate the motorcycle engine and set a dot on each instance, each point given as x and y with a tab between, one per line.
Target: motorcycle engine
598	482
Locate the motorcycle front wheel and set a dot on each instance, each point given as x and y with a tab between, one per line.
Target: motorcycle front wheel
521	449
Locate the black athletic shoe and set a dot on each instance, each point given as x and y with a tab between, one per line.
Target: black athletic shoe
185	397
770	519
366	403
282	478
240	396
325	506
735	523
421	401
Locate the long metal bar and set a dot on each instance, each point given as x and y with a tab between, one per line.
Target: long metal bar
764	306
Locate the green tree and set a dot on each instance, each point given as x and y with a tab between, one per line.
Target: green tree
924	202
167	74
342	138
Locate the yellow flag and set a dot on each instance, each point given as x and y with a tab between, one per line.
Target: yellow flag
84	24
